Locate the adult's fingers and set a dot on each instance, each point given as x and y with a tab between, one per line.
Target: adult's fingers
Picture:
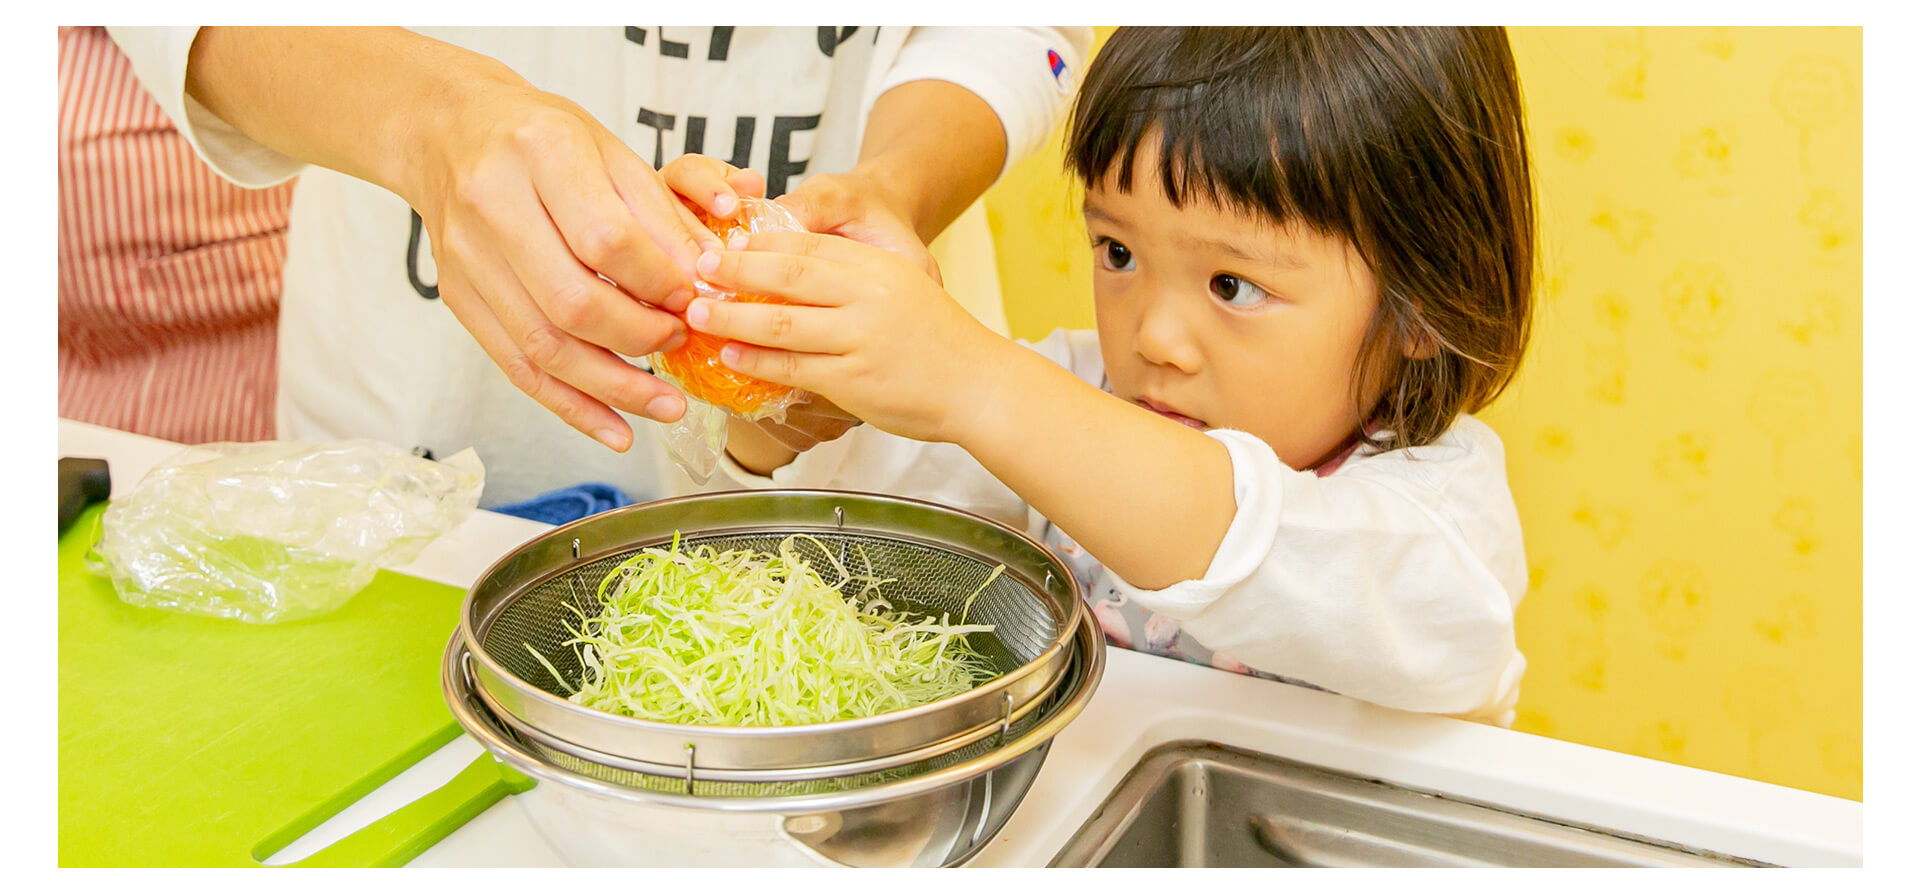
601	228
748	183
706	181
821	207
798	328
678	300
660	215
577	299
580	411
593	371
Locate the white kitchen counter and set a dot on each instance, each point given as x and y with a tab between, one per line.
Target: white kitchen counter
1145	700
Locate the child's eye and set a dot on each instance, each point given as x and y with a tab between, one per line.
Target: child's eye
1113	254
1236	291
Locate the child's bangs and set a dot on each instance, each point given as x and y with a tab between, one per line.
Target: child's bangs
1232	134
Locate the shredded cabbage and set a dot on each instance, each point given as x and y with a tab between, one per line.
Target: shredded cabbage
741	638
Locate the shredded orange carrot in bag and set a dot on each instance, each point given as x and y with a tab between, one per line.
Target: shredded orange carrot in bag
695	366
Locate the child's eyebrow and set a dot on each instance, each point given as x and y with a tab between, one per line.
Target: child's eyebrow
1278	259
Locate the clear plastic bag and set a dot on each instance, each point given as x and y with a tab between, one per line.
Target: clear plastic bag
266	532
715	391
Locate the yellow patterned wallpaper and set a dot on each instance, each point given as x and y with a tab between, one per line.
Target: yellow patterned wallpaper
1684	439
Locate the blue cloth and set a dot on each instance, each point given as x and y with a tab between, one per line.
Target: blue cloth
568	504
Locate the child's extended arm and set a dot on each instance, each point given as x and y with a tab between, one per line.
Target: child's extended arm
1151	499
1393	580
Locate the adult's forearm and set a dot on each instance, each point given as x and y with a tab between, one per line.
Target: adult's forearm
363	101
933	147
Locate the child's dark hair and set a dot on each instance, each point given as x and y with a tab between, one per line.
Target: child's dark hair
1410	143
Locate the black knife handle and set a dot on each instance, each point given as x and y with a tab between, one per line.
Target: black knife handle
83	482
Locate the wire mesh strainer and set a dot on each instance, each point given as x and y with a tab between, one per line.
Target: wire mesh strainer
1083	668
940	811
939	557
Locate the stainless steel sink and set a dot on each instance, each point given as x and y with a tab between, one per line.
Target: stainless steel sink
1197	803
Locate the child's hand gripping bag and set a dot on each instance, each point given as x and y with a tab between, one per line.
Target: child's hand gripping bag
715	391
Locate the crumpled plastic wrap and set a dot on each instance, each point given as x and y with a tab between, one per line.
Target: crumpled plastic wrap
266	532
715	391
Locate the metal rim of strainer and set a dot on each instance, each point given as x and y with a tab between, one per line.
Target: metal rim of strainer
1086	667
671	749
803	774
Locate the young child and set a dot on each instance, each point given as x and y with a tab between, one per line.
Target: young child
1313	256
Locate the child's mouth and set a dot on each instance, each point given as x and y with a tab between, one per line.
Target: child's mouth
1170	414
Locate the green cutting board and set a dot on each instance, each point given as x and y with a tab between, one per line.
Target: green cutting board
197	741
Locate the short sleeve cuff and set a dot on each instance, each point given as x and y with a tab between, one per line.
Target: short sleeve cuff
159	57
1026	75
1257	474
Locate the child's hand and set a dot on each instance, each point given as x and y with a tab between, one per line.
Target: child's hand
873	332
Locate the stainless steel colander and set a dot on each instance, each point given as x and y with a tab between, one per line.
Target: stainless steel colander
938	556
939	811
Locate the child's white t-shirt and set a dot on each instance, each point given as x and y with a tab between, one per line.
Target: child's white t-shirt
1391	579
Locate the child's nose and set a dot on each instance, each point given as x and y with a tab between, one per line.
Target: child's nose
1164	336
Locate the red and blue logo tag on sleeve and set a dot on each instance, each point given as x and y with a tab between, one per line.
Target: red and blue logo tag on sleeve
1058	66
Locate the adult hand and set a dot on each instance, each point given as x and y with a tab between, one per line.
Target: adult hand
712	184
554	245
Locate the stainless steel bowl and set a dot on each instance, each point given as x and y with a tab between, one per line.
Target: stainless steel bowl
941	556
937	813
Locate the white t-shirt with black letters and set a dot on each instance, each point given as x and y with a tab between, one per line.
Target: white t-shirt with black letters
366	349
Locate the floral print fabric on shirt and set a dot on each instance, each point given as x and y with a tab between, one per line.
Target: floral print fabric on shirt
1127	625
